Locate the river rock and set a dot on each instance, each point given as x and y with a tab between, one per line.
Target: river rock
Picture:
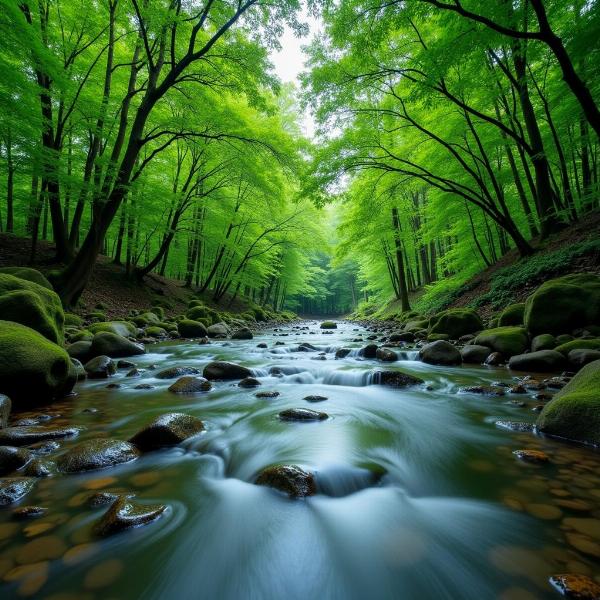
13	489
368	351
578	587
386	355
80	350
542	361
440	352
29	512
289	479
509	341
96	454
483	390
124	514
115	346
580	357
173	372
100	367
302	414
31	434
221	370
218	330
402	336
328	325
192	329
167	430
532	456
495	359
269	394
249	382
190	385
13	458
544	341
315	398
78	369
474	354
455	322
395	379
5	407
243	333
342	352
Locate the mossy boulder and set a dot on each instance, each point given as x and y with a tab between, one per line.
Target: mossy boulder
574	413
189	328
416	325
455	322
513	314
509	341
542	361
33	305
123	328
544	341
113	345
583	344
155	332
440	353
328	325
29	275
32	368
197	312
564	304
72	320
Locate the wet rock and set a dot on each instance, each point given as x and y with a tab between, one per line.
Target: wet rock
173	372
13	489
455	322
115	346
218	330
80	350
269	394
315	398
24	436
518	388
249	382
474	354
484	390
395	379
190	385
29	512
39	468
542	361
532	456
328	325
13	458
495	359
167	430
580	357
302	414
102	499
125	364
100	367
144	386
5	407
545	341
578	587
78	369
369	351
289	479
342	352
306	347
134	373
221	370
386	355
44	448
440	352
404	336
243	333
188	328
124	514
114	386
96	454
261	345
515	426
203	341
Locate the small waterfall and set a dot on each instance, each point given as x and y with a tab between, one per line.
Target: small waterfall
347	378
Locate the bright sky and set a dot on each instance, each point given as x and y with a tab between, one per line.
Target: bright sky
289	61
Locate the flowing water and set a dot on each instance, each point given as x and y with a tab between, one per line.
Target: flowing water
419	494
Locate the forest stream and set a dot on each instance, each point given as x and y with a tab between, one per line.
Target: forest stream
419	492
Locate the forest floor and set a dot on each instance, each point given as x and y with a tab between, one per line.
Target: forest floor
109	285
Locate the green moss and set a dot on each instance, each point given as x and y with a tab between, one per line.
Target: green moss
189	328
29	275
195	302
123	328
197	312
591	344
434	337
154	331
574	413
328	325
73	320
30	304
455	322
544	341
82	335
32	368
416	325
95	316
159	311
564	339
509	341
512	315
564	304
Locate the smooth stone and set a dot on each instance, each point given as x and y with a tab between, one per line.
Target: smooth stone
532	456
102	499
302	414
474	354
110	344
190	385
96	454
368	351
5	408
244	333
249	382
174	372
578	587
13	489
440	352
289	479
13	458
222	370
124	514
167	430
315	398
386	355
395	379
29	512
26	435
342	352
269	394
100	367
125	364
542	361
218	330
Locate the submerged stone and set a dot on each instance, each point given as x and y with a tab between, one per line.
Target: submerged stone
125	514
315	398
222	370
13	458
173	372
167	430
302	414
579	587
395	379
269	394
289	479
532	456
190	385
13	489
96	454
24	436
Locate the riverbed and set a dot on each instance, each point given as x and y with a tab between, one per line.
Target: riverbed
419	492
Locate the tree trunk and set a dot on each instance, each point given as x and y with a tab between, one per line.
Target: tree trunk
405	304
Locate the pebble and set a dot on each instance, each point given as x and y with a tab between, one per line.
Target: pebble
546	512
43	548
103	574
31	577
575	586
532	456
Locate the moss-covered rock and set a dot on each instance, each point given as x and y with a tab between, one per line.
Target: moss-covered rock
113	345
544	341
584	344
542	361
440	353
33	305
29	275
574	413
564	304
123	328
328	325
416	325
455	322
506	340
72	320
514	314
191	329
82	335
32	368
155	332
197	312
